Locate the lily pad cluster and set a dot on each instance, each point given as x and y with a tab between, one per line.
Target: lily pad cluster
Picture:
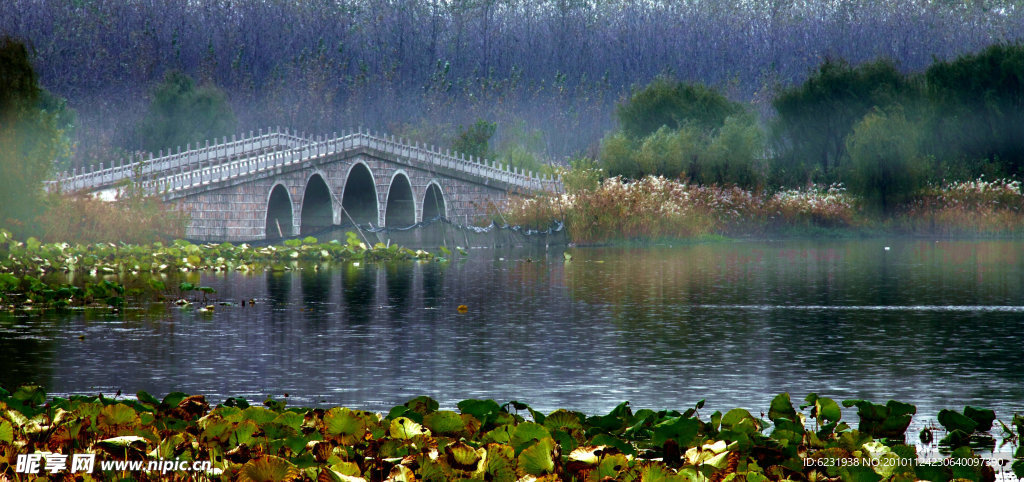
481	440
27	268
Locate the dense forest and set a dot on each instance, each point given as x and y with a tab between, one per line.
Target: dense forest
547	74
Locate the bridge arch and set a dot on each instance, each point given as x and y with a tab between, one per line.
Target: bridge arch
317	209
279	212
434	203
400	210
359	196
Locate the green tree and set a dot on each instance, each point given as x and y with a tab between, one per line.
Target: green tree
979	107
815	117
665	102
733	155
29	138
697	132
182	113
475	140
885	163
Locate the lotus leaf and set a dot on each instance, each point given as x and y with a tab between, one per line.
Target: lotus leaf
404	428
6	431
242	432
782	408
537	459
564	420
981	416
259	415
118	415
527	433
681	429
268	468
712	454
619	444
290	419
124	445
445	422
500	435
660	473
483	410
955	421
31	395
888	421
422	405
349	426
612	465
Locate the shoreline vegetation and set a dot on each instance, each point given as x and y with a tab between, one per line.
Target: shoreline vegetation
485	440
656	209
34	275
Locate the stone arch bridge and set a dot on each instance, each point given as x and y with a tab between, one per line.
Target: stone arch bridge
274	184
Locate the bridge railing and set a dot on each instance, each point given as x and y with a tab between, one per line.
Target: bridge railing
277	148
190	159
512	176
424	157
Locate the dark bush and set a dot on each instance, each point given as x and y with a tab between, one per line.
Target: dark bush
475	140
665	102
979	107
815	117
183	114
29	138
885	165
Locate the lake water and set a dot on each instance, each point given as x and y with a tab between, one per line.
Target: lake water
936	323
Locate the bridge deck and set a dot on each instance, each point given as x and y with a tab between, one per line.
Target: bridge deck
181	173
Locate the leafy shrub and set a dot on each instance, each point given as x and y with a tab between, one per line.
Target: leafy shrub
885	166
182	114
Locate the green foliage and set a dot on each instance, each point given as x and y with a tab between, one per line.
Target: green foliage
885	166
725	156
732	154
815	117
668	103
584	174
885	421
672	129
475	140
484	442
23	264
979	103
30	138
521	146
182	113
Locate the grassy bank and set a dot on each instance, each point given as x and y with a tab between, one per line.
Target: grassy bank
485	440
655	208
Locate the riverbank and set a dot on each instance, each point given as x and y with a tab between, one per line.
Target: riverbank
485	440
655	208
